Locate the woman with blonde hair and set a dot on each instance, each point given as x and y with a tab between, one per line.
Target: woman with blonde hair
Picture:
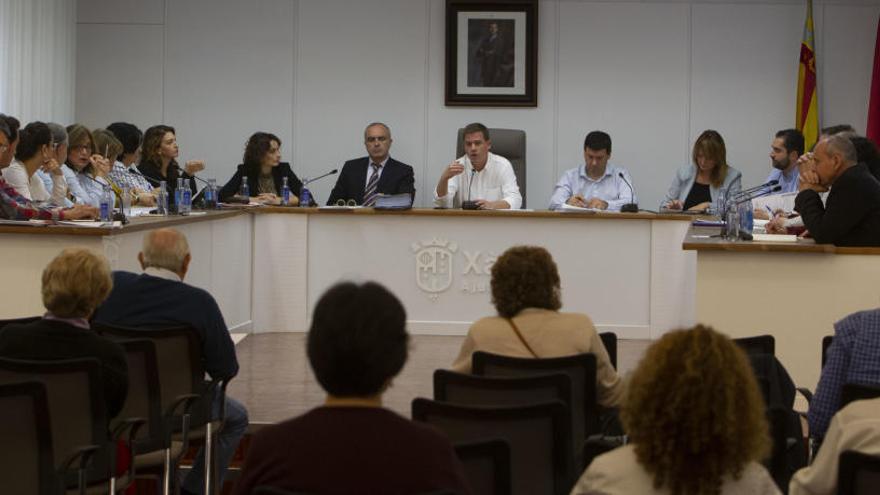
698	186
695	421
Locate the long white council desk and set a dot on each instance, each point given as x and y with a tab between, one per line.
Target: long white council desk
627	271
793	291
220	243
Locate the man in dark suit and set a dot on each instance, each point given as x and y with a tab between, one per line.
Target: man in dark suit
364	178
851	214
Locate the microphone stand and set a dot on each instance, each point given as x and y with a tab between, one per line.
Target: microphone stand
632	206
469	204
118	216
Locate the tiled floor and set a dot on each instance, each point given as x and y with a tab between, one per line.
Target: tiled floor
275	381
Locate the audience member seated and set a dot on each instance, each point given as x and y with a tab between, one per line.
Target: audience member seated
697	187
485	179
695	420
36	151
597	183
851	358
356	345
867	153
74	283
525	292
363	179
14	206
851	213
124	171
159	159
158	298
856	427
264	171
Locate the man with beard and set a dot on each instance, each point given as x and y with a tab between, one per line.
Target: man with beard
786	148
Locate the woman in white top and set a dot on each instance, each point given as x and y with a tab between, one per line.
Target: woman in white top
36	151
695	420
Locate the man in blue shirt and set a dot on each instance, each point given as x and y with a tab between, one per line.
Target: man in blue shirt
785	150
853	357
595	184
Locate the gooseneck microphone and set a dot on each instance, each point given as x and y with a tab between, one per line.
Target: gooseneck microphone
469	204
139	174
194	176
117	215
765	186
632	206
309	181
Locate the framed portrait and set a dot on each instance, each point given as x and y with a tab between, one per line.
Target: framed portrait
492	53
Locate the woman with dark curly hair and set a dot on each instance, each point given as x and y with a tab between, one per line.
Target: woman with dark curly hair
265	172
695	420
525	292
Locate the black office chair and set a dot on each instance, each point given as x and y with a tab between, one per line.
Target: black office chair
759	344
27	461
826	343
186	399
509	143
854	391
486	465
78	417
858	474
609	340
539	437
580	368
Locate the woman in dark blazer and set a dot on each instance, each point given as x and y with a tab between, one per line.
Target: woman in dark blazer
265	173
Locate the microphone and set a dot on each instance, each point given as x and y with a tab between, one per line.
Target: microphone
757	195
750	190
139	174
470	205
194	176
309	181
631	207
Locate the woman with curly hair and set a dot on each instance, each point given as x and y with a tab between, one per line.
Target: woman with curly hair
695	420
264	171
525	292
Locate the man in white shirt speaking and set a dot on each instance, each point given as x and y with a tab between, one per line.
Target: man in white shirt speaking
479	180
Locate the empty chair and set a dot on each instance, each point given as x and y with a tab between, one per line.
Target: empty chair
77	412
486	465
27	462
185	398
826	343
509	143
538	435
27	319
759	344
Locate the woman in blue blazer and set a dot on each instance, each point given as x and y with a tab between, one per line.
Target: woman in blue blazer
698	186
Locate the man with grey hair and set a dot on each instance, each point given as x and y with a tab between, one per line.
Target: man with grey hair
363	179
851	213
158	298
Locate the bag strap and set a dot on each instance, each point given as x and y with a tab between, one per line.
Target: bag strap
521	338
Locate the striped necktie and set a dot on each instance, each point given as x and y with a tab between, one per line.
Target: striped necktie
371	191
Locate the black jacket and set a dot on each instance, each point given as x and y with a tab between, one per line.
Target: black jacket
153	171
851	214
278	173
50	340
396	178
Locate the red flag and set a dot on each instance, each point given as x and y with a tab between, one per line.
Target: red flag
873	132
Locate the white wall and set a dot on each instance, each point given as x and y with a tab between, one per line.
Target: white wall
652	73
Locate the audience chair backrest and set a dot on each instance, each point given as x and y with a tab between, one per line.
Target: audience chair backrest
853	391
144	395
539	437
580	368
609	340
509	143
179	361
859	474
77	411
475	390
486	465
759	344
27	463
826	343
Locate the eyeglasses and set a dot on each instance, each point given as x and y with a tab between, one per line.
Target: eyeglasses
373	139
80	148
342	202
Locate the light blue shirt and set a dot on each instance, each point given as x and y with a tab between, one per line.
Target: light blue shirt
73	186
789	183
46	177
609	188
684	180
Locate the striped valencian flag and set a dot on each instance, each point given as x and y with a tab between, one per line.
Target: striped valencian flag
807	116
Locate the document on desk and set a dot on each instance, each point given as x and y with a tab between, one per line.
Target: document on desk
567	208
90	224
774	238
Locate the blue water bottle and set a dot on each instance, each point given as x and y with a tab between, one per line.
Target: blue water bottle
106	205
305	196
285	192
186	198
244	191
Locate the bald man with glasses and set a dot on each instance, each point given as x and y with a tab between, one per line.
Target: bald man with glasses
363	179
